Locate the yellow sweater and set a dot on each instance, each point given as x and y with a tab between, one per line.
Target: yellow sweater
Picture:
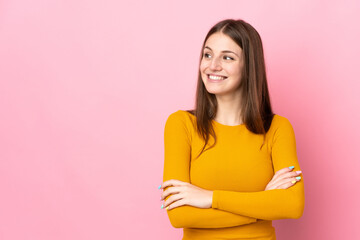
238	172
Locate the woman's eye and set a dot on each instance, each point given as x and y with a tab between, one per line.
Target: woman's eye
206	55
227	57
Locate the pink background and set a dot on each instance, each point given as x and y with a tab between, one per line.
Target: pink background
86	87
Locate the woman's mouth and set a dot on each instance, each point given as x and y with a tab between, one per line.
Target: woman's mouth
215	78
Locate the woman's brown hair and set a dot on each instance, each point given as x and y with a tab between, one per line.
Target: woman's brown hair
256	109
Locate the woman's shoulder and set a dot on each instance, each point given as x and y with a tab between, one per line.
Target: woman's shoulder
184	115
279	119
180	121
280	122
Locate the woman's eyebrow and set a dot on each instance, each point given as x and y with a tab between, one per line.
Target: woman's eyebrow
224	51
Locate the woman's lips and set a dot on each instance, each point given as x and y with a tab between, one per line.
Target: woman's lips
216	78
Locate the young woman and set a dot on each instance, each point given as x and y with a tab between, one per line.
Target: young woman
230	164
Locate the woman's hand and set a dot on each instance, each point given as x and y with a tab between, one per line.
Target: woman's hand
283	179
184	193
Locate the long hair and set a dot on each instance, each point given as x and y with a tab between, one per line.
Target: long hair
256	109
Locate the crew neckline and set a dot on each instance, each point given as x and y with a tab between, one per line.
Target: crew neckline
230	126
217	123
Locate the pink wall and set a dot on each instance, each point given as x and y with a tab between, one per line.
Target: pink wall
86	87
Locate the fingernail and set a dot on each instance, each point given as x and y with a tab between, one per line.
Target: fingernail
298	172
159	186
167	208
293	181
291	167
162	206
298	178
160	198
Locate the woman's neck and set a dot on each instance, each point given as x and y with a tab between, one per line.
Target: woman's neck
228	110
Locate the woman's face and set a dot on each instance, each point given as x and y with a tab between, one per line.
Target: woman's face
221	64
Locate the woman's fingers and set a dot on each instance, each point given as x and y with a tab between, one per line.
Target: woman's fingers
171	187
283	178
287	181
279	174
169	191
173	201
282	171
286	175
172	182
277	177
286	184
178	203
283	184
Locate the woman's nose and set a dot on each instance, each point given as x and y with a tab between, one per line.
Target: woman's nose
215	64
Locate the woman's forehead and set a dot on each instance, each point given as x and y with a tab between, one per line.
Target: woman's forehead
219	42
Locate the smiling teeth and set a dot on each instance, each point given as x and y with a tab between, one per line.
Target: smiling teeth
216	77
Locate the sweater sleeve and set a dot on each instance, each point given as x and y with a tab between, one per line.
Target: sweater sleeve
177	148
271	204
